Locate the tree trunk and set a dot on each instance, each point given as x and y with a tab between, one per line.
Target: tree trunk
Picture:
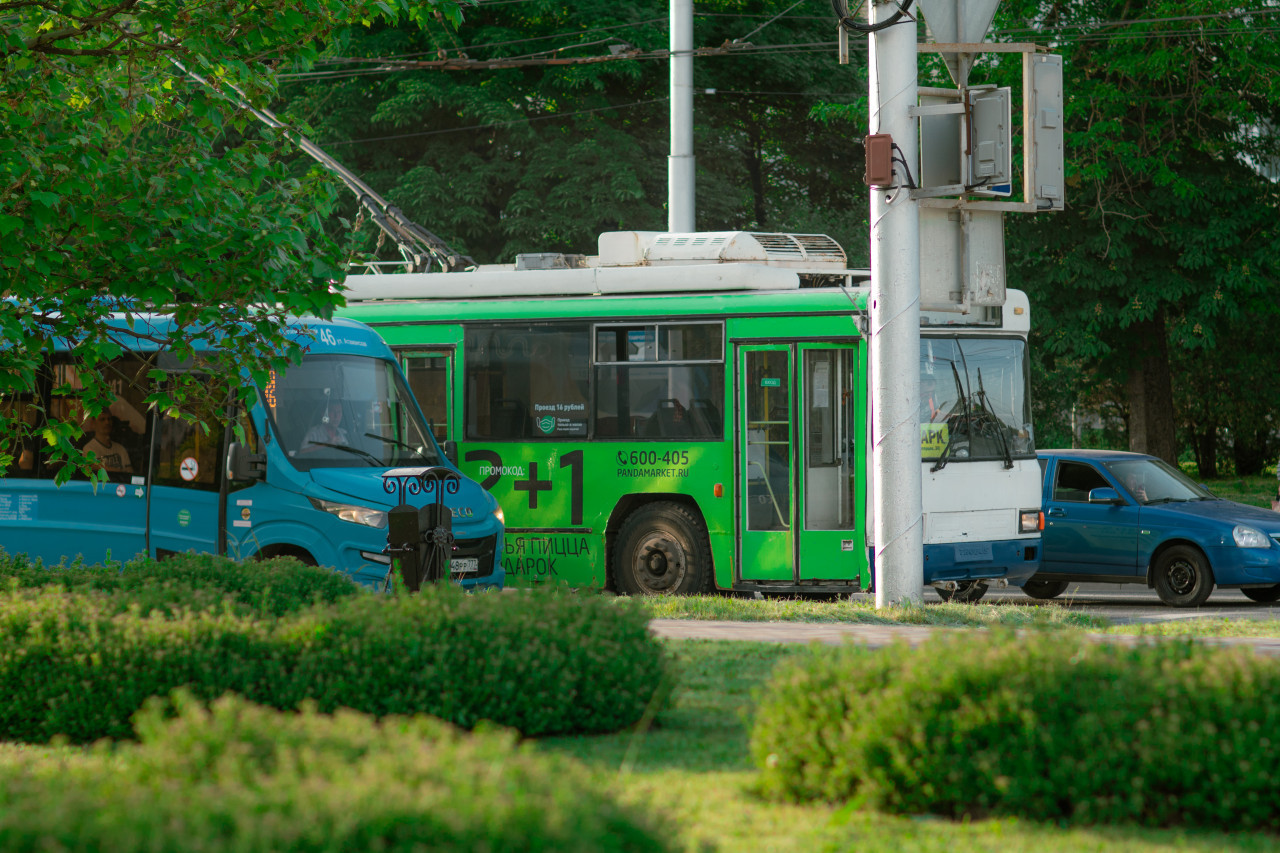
1206	446
1249	451
755	172
1150	390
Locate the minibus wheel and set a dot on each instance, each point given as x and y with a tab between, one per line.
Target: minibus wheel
662	549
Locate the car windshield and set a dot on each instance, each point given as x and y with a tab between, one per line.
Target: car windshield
975	400
345	411
1152	481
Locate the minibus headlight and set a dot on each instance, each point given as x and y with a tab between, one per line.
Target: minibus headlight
497	513
353	513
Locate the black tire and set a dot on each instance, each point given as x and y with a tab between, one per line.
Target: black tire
1182	577
966	592
1044	590
1264	594
662	548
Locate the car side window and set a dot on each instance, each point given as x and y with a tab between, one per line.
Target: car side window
1075	480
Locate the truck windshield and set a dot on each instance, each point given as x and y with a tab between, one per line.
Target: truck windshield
974	399
344	411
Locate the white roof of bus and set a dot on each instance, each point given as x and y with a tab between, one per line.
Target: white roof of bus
585	281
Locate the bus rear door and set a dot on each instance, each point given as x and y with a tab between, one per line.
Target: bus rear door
799	505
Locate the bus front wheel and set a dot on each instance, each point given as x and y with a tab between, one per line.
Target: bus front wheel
966	592
662	549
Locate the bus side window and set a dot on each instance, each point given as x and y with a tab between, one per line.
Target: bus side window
251	442
21	409
527	381
188	456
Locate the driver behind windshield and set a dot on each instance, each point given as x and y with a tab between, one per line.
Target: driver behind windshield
329	430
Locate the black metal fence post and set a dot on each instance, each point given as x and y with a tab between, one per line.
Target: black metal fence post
420	541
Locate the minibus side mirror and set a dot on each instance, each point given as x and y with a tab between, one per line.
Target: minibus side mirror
451	452
243	465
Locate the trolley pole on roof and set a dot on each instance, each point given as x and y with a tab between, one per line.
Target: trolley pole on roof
895	319
680	165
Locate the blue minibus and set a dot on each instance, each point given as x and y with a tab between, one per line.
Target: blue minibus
305	480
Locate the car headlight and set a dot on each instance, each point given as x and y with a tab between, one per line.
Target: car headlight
497	513
353	513
1247	537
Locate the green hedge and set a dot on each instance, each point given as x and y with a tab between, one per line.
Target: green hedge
1043	726
238	777
74	665
192	581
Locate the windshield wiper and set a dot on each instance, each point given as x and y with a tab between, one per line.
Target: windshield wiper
999	424
398	443
373	460
1167	501
951	434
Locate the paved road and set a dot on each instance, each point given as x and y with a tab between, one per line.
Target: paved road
1137	603
1120	603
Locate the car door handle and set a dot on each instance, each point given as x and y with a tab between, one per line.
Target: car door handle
1057	512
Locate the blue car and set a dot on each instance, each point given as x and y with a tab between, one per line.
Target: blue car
1116	517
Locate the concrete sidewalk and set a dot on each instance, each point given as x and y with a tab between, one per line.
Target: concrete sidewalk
875	636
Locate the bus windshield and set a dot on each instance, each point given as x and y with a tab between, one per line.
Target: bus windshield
344	411
974	399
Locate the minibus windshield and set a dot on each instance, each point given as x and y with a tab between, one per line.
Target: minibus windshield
345	411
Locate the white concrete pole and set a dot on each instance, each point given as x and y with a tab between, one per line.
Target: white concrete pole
680	167
895	322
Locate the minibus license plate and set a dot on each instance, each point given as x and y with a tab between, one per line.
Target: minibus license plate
464	565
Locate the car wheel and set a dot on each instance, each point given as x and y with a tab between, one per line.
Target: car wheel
662	548
1044	590
1265	594
966	592
1182	577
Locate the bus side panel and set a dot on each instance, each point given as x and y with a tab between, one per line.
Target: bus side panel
272	520
49	522
558	498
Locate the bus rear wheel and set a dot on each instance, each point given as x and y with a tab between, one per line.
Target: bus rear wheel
662	549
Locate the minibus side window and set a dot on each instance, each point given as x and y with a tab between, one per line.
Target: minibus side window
187	454
119	437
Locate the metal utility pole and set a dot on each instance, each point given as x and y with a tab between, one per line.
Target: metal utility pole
895	319
680	170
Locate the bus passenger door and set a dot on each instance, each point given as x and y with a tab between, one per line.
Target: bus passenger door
830	503
765	454
185	506
430	375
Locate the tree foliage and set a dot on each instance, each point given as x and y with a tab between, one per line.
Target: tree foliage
1164	259
544	157
125	186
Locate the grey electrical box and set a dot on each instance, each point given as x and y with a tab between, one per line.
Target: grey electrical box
1043	118
990	141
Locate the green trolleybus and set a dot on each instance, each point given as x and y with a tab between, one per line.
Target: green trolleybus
686	412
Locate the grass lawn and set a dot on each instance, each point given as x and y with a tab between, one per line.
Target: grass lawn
1255	491
692	767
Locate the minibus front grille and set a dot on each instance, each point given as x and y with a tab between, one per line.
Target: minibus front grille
482	549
